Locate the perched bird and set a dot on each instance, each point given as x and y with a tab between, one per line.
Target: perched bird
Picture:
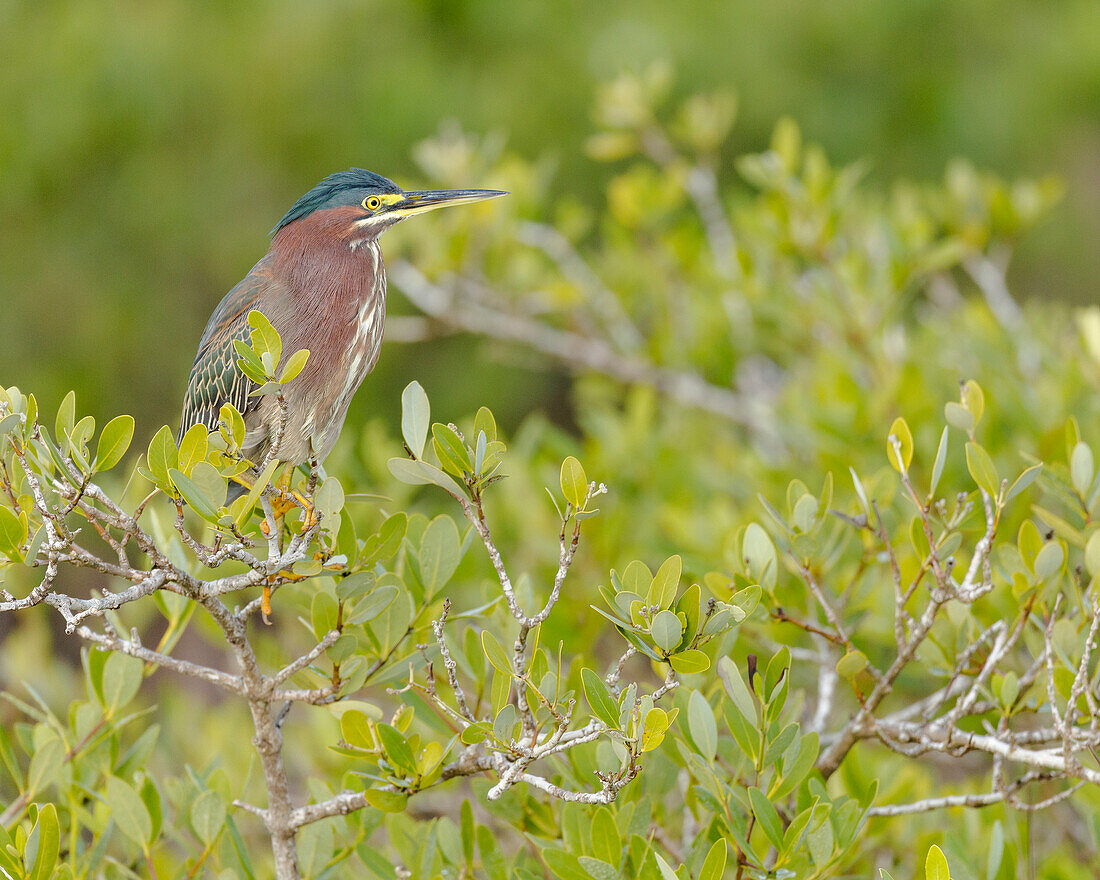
322	285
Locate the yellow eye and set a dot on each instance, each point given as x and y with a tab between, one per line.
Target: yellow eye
373	203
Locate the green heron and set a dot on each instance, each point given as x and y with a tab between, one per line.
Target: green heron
322	285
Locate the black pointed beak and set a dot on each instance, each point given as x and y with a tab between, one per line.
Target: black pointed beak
429	200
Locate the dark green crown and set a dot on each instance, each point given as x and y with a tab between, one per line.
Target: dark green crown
344	188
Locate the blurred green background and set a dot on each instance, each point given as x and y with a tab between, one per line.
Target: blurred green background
147	147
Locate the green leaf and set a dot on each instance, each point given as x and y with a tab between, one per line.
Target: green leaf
935	865
665	583
666	630
900	431
230	416
736	689
598	869
973	399
373	604
45	765
758	556
323	612
396	748
265	338
419	473
294	365
982	469
386	541
1049	560
607	844
248	363
194	496
637	579
1023	481
210	483
958	416
484	421
439	554
702	726
329	499
355	729
386	801
9	423
468	839
657	722
492	861
1081	468
941	460
208	814
415	417
851	664
599	698
128	811
47	836
193	448
714	865
66	416
690	662
451	451
664	867
257	490
114	440
13	533
1092	554
574	484
797	768
504	722
162	455
564	864
122	677
767	816
495	653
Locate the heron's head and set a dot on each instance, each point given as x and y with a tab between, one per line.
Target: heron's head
375	202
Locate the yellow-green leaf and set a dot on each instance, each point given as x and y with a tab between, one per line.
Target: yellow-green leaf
1092	554
128	811
231	417
205	507
114	440
714	865
656	725
851	664
690	662
574	483
495	653
265	338
973	400
665	583
415	417
982	469
900	431
958	416
599	698
193	448
13	533
66	416
935	865
294	365
162	454
386	801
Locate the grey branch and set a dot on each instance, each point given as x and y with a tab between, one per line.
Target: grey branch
442	302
